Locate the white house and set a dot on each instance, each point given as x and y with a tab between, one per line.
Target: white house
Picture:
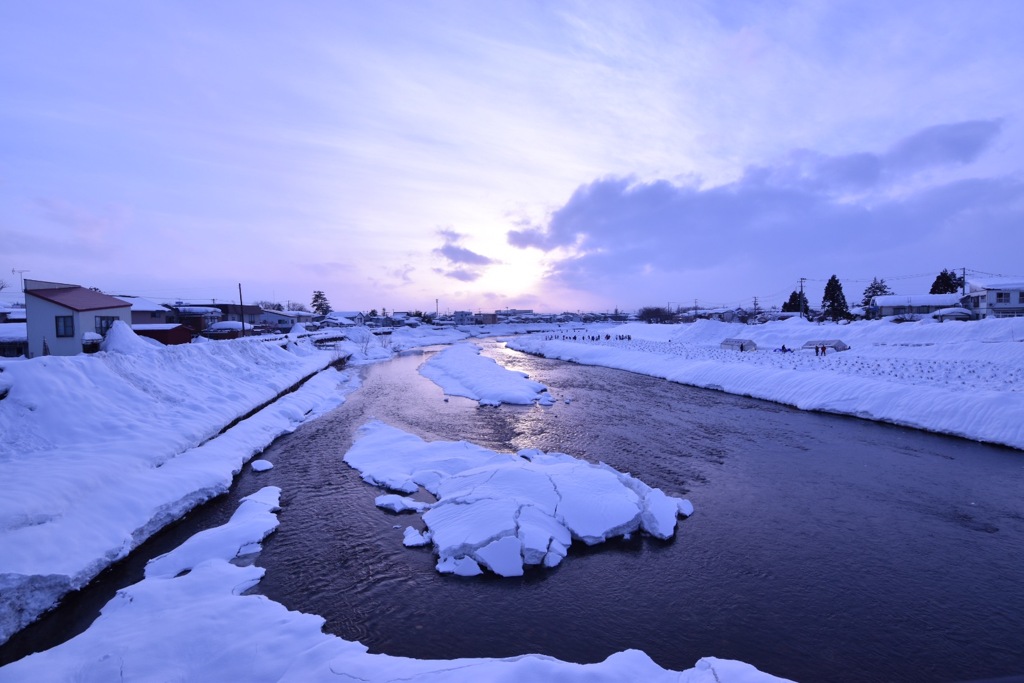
284	321
146	312
885	305
64	320
995	298
343	319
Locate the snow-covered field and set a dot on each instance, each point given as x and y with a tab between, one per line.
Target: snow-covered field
960	378
98	452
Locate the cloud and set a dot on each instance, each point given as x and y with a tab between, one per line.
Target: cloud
953	143
461	274
465	264
810	208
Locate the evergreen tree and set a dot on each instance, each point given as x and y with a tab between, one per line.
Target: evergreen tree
947	282
654	314
833	304
320	304
797	303
876	288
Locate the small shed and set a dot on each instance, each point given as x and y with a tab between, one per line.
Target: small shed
739	344
834	344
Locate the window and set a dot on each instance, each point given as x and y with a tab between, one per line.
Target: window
1002	297
65	325
1020	297
103	323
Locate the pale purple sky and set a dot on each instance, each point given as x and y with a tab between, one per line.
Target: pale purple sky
546	155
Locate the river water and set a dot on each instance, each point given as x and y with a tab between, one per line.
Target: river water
822	548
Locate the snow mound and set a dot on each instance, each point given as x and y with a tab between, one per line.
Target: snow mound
122	339
261	465
503	512
461	371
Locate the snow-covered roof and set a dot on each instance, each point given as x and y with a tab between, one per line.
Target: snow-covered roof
953	310
228	325
13	332
198	310
916	300
994	283
143	305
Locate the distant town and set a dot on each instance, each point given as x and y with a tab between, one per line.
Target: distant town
67	319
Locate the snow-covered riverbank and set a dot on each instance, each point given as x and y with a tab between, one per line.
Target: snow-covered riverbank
98	452
190	620
960	378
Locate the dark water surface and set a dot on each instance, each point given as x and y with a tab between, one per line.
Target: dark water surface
822	548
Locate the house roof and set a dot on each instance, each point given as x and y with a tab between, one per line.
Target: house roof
143	305
994	283
77	298
916	300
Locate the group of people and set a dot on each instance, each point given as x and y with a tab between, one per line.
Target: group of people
819	350
589	337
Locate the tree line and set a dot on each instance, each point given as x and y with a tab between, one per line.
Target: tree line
835	308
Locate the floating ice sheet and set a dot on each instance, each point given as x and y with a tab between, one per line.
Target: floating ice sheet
503	511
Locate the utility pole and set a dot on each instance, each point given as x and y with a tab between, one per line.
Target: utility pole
802	296
241	310
22	274
755	305
963	282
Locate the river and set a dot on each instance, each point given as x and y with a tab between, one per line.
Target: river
822	548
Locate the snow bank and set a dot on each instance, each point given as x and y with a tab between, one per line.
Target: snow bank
504	511
960	378
460	370
100	451
190	619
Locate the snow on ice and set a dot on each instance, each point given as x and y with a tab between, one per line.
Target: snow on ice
460	370
504	511
190	619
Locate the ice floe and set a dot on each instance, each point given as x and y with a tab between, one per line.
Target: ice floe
503	511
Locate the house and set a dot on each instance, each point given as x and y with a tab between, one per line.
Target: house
995	298
13	340
196	318
146	312
247	313
343	319
886	305
65	320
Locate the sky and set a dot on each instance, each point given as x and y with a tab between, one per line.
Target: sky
467	155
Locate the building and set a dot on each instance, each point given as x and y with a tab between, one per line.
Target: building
196	318
996	298
248	313
65	320
146	312
284	321
886	305
343	319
